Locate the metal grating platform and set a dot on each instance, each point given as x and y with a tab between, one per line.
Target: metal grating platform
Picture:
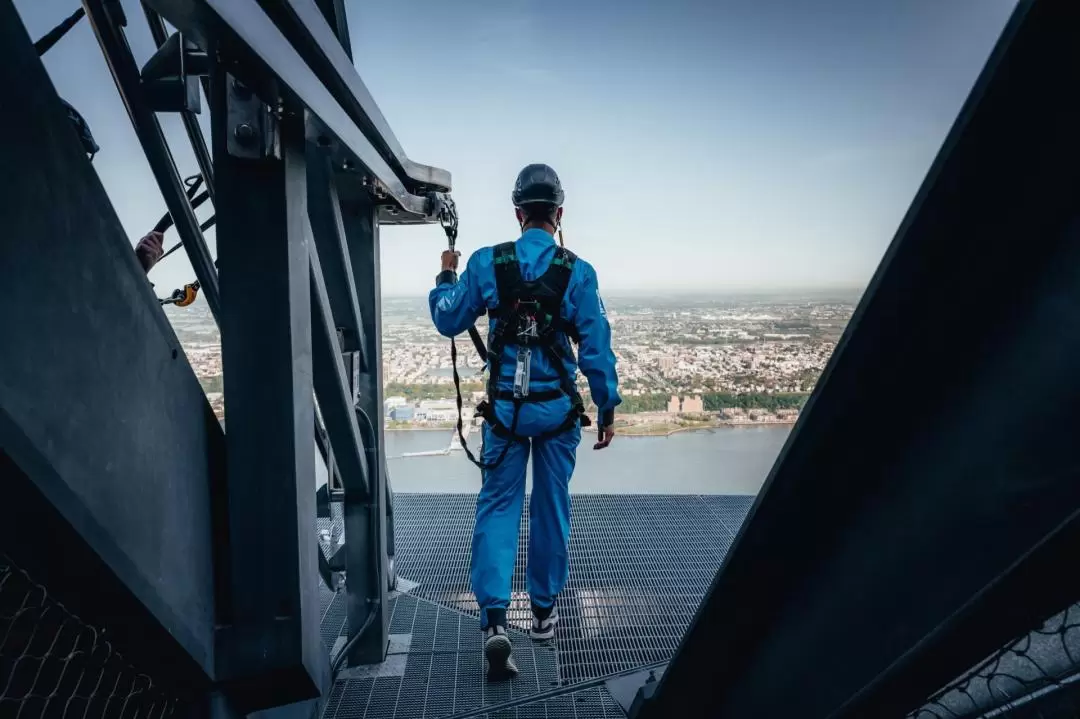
434	668
640	565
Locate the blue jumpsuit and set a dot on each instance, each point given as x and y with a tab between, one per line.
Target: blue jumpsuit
454	308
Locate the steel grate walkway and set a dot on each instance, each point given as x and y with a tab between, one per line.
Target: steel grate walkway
639	566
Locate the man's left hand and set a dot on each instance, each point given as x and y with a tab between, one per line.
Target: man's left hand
450	260
605	434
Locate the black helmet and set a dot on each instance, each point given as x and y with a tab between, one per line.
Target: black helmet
537	185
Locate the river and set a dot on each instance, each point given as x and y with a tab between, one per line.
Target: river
726	460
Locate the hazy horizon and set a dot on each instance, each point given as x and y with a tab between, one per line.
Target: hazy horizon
848	292
705	145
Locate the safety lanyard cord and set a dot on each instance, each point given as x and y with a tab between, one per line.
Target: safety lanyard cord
460	422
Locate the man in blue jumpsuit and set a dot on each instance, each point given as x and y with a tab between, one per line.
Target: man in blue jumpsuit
547	423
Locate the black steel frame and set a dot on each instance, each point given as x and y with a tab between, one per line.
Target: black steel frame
112	463
302	169
884	558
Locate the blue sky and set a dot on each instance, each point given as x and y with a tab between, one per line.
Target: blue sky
704	145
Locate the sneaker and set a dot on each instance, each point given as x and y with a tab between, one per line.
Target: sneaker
543	623
497	651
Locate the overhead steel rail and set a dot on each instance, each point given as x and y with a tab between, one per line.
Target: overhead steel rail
290	44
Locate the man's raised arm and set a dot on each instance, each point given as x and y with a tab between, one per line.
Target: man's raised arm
455	303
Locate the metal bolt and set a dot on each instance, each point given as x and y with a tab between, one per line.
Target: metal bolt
245	133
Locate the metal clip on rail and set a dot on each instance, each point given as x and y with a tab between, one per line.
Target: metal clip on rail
448	219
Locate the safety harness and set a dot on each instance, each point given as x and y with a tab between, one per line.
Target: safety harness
528	317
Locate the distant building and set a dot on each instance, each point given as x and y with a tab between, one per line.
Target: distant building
402	413
667	363
436	410
391	402
693	405
673	405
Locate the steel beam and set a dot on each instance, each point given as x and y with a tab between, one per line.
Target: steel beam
191	123
243	27
306	27
332	389
1002	604
334	13
893	544
270	651
333	254
366	523
125	74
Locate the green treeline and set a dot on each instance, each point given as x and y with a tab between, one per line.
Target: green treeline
417	392
716	401
654	402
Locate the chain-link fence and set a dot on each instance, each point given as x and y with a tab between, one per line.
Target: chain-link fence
1018	676
52	664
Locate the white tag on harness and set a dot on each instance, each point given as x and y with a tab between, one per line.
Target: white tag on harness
521	372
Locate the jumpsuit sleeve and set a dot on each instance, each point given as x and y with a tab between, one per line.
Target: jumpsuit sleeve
595	356
456	305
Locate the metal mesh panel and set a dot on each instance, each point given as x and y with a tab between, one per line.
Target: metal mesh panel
54	665
639	567
1035	675
435	668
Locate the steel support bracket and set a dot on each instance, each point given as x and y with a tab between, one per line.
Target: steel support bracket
253	126
172	94
170	78
634	692
177	57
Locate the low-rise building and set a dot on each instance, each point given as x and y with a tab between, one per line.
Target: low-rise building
693	405
402	413
436	410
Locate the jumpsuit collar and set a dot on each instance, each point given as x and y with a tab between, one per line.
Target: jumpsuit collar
535	234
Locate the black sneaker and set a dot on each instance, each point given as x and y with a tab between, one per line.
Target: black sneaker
543	623
497	651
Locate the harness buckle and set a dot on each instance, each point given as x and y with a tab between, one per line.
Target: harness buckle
483	409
